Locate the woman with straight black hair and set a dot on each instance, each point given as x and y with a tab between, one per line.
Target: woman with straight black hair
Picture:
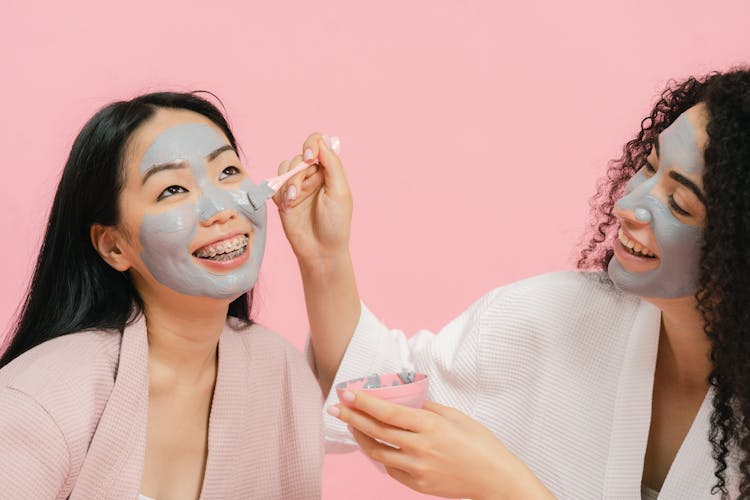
135	367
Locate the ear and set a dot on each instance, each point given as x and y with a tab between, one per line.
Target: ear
107	242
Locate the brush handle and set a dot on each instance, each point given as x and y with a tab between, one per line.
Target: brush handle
276	182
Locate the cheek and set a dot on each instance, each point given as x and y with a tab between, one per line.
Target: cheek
242	204
168	232
678	237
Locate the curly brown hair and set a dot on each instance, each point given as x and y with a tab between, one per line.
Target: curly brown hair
724	292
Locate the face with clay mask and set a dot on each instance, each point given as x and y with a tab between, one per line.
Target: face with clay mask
662	215
185	212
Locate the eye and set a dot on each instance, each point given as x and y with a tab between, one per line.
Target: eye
676	207
228	172
170	191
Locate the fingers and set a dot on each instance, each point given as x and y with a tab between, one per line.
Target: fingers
292	187
310	148
389	413
444	411
380	452
297	188
333	170
375	428
284	167
292	192
311	184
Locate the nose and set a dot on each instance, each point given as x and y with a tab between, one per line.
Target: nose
214	206
643	215
633	210
635	206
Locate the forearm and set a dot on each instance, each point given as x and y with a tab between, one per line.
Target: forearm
333	310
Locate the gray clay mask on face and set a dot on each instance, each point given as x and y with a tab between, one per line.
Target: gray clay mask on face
679	243
167	236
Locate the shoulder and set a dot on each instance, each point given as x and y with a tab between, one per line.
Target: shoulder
560	291
76	359
70	377
562	306
64	382
272	360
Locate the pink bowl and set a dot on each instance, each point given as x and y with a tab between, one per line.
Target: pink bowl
404	388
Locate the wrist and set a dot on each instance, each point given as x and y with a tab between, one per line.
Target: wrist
325	267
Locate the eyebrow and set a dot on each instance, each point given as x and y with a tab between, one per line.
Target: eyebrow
688	184
217	152
172	165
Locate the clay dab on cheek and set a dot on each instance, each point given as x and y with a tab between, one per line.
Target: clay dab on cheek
679	244
167	236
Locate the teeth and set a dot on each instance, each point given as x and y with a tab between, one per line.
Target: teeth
223	250
635	247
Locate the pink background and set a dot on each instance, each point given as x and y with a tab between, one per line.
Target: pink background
473	132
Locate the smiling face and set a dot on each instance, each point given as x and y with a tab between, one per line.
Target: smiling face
662	215
185	215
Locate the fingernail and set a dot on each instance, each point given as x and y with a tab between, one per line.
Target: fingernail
333	411
308	154
336	144
327	140
348	395
291	193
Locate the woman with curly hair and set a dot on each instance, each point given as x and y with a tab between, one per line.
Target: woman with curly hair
628	378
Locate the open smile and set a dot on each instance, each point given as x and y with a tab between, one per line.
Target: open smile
633	256
224	250
225	254
634	247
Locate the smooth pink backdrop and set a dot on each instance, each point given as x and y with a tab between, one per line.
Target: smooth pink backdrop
473	132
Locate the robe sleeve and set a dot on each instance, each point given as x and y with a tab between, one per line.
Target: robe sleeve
448	358
34	455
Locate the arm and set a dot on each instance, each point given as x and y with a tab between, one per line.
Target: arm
317	224
316	208
34	457
333	310
441	451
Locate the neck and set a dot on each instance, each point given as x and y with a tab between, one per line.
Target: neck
684	348
183	336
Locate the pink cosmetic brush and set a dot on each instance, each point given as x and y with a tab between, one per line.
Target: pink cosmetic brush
269	187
